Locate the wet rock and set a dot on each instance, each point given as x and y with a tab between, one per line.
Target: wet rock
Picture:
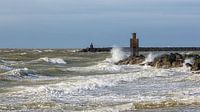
131	60
196	65
188	65
168	61
171	60
193	56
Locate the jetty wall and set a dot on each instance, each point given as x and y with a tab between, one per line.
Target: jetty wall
145	49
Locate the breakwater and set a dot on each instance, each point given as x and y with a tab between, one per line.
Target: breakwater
144	49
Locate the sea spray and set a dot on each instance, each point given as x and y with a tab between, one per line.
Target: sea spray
118	54
108	65
150	57
189	60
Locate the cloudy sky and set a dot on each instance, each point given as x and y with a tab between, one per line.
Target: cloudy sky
76	23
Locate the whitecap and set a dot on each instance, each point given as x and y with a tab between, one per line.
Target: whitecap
3	67
53	60
18	74
50	60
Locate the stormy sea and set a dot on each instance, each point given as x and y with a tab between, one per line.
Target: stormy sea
36	80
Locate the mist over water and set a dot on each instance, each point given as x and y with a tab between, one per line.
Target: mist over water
72	81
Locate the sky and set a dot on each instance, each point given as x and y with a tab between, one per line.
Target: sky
77	23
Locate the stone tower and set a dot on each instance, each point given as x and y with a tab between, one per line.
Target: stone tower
134	45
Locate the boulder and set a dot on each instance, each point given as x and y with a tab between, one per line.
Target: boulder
131	60
171	60
168	61
188	65
196	64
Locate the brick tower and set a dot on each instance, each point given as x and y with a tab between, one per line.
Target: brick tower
134	45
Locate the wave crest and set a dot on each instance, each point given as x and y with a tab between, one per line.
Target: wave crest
18	74
50	60
53	60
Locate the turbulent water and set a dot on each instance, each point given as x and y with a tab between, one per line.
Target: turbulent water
64	80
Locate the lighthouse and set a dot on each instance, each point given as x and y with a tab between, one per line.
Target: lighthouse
134	45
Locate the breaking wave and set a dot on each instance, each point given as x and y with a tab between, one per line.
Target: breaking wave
106	67
118	54
53	60
50	60
7	62
81	89
82	83
19	74
190	61
6	68
150	57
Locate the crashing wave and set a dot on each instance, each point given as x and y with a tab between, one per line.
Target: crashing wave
50	60
84	83
106	67
3	67
18	74
6	65
151	57
118	54
8	62
53	60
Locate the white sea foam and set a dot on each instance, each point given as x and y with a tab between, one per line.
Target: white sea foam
53	60
79	84
17	74
186	68
150	57
119	90
106	67
76	90
117	54
92	89
24	53
48	50
37	51
190	61
3	67
9	62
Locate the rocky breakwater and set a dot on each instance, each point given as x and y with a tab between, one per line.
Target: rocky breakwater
131	60
166	61
195	64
